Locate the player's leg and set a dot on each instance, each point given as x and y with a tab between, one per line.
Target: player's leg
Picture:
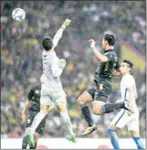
24	142
119	121
137	139
62	108
133	127
46	103
28	123
39	130
99	105
111	131
83	99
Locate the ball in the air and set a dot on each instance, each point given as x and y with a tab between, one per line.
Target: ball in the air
18	14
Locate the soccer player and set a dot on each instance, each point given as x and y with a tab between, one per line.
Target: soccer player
98	94
128	93
30	110
51	87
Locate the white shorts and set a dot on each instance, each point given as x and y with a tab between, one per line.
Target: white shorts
49	96
122	119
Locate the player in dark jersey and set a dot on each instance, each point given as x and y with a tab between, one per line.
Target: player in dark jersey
31	108
102	87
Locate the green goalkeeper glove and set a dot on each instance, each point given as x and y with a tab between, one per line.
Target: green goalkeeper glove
62	63
66	23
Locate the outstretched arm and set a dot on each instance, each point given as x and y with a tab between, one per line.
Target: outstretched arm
59	33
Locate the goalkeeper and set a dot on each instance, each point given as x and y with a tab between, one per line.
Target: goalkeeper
51	87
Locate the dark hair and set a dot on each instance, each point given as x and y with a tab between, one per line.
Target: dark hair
130	64
109	37
47	43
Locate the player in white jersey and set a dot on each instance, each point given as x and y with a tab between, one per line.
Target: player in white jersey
51	87
131	119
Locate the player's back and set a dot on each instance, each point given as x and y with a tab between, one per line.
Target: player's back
47	78
128	81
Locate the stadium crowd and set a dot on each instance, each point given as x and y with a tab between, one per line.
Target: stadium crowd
21	65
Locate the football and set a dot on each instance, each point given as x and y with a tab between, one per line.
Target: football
18	14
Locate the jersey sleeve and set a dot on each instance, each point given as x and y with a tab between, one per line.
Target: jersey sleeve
56	70
57	37
110	56
117	64
30	94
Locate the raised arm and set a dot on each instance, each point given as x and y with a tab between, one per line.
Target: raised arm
100	56
59	33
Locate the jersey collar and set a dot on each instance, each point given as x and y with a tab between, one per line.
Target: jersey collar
105	51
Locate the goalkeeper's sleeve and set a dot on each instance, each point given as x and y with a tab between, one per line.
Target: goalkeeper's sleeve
57	68
57	37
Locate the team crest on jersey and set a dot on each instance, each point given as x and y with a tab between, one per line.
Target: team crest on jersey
28	120
36	92
101	86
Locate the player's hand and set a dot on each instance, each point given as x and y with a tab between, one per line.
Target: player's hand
66	23
23	117
62	63
92	43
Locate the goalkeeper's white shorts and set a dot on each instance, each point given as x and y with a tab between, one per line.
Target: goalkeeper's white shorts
49	96
122	119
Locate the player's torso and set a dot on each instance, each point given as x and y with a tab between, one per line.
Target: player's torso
47	77
124	90
35	100
47	59
105	69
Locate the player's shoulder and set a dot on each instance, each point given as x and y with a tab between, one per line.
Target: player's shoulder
36	87
111	53
129	78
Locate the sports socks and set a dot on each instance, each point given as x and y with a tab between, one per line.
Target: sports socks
87	115
38	118
138	142
114	138
25	143
66	121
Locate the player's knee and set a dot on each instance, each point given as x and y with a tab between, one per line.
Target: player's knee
96	110
135	134
62	109
110	131
44	109
62	106
81	100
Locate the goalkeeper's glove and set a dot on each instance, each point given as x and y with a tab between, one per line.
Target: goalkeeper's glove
66	23
62	63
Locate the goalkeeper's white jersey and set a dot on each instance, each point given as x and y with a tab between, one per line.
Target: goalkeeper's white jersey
128	81
50	61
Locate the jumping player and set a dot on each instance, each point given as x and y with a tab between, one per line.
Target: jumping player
98	94
51	87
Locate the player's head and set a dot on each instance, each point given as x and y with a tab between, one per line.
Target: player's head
108	39
126	66
47	43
